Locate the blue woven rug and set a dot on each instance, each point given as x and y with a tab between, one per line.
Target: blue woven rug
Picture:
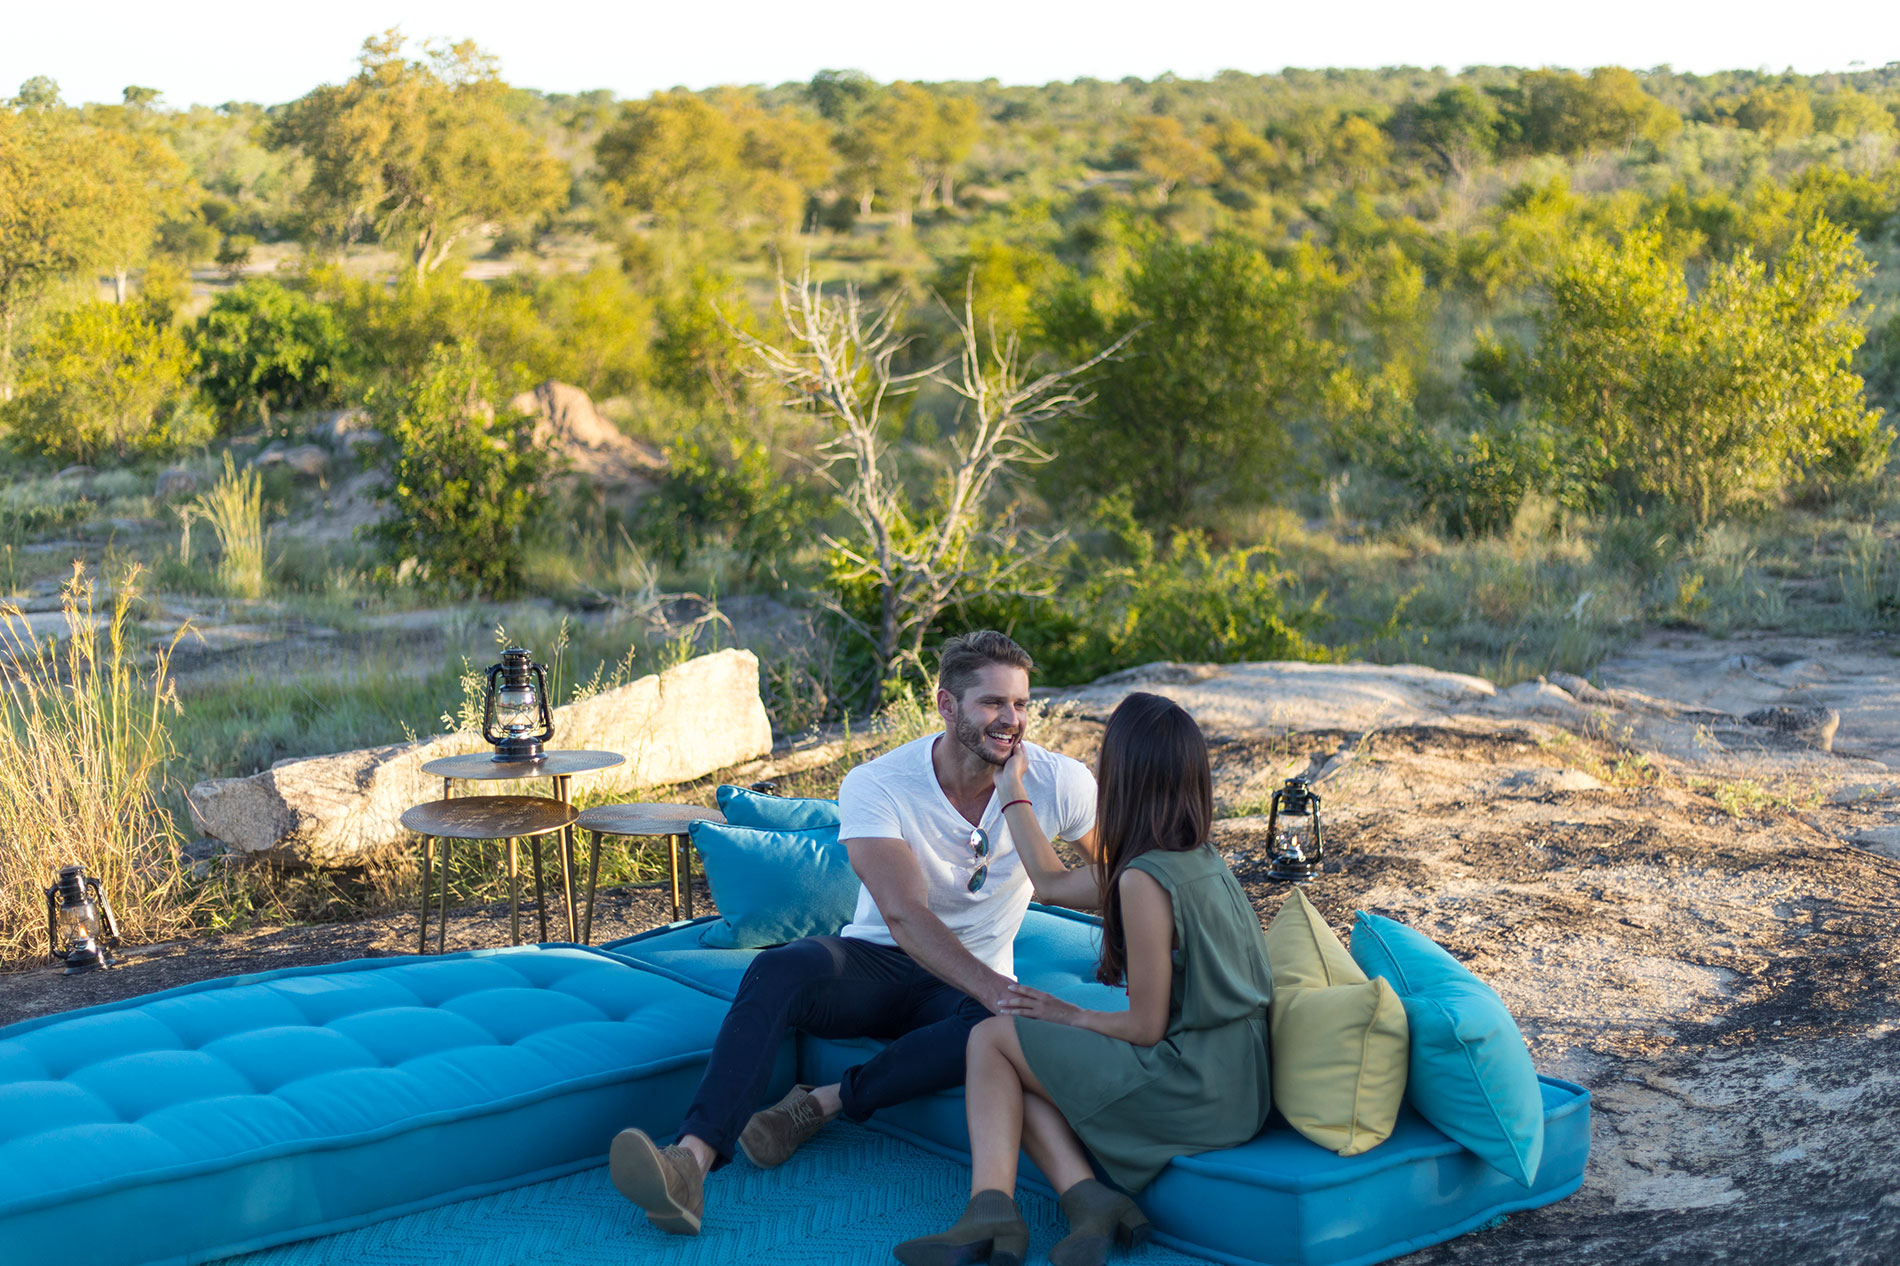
843	1200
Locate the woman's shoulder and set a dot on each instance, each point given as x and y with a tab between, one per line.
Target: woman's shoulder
1171	866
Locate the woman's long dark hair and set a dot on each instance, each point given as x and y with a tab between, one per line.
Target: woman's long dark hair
1153	791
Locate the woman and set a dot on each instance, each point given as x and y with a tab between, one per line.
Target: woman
1183	1070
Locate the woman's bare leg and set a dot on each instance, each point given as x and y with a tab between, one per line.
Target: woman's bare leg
1009	1109
1046	1135
993	1102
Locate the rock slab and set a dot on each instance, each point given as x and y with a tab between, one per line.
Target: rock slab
1253	698
703	715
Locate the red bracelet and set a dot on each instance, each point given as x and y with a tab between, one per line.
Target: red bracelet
1012	804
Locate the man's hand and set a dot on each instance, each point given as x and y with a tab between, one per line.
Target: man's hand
1034	1004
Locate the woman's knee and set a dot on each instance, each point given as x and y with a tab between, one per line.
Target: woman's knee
993	1034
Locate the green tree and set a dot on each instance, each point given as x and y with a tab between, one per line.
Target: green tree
463	486
421	151
1709	400
695	163
1168	155
908	143
1561	112
73	196
105	378
1195	414
1458	125
1780	114
264	347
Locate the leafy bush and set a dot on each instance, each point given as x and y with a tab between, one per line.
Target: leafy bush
1473	481
264	347
1710	401
1144	601
106	377
394	332
464	479
726	491
1194	414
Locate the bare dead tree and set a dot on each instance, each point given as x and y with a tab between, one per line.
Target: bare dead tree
840	361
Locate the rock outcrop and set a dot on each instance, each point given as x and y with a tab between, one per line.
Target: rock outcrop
703	715
567	424
1267	697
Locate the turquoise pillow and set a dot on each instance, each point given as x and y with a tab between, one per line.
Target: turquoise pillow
775	813
1471	1074
774	886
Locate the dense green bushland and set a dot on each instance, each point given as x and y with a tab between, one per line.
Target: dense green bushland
1480	320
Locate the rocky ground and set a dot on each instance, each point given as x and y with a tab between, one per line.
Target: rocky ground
1690	914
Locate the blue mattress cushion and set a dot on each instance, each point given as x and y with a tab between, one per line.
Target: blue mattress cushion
1279	1200
1470	1072
250	1111
774	886
742	807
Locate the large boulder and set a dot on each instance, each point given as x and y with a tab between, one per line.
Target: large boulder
567	424
682	724
1278	696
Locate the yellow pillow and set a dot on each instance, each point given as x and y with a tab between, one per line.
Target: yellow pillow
1303	951
1340	1044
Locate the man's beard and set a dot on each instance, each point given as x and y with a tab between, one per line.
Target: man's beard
971	736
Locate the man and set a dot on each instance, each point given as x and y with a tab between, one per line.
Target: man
928	954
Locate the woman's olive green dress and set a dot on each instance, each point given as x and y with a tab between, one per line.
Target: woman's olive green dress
1202	1086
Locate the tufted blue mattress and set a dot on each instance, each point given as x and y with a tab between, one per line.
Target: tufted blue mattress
240	1113
1280	1200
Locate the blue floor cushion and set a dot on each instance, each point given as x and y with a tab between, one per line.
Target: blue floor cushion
255	1110
1280	1200
238	1114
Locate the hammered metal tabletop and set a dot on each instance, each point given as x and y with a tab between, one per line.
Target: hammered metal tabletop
484	767
488	817
646	819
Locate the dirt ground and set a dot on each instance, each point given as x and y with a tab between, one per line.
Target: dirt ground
1720	969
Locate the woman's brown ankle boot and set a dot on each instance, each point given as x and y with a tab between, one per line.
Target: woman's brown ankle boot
1098	1217
991	1230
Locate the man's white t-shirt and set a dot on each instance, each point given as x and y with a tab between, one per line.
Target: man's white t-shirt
897	796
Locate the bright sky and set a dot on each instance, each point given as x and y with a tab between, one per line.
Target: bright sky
211	51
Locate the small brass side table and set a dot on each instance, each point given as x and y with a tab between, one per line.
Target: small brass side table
560	766
648	821
510	818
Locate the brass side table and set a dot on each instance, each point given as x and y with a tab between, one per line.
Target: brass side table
559	766
648	821
511	818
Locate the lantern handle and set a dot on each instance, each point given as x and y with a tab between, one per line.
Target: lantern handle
111	937
547	711
52	924
488	705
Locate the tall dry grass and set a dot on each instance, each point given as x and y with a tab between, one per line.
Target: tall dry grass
235	509
84	738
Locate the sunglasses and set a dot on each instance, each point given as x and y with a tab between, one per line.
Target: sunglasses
980	846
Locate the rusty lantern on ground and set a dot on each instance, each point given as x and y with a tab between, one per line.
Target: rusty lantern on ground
1294	833
515	715
80	924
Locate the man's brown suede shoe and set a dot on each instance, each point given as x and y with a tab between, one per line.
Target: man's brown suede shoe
774	1133
666	1182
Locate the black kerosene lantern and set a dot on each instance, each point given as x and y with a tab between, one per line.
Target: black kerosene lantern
1294	834
79	921
515	716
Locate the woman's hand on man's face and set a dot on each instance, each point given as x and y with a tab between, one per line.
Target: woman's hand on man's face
1009	774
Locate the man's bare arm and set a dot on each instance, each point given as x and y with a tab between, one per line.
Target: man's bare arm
889	870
